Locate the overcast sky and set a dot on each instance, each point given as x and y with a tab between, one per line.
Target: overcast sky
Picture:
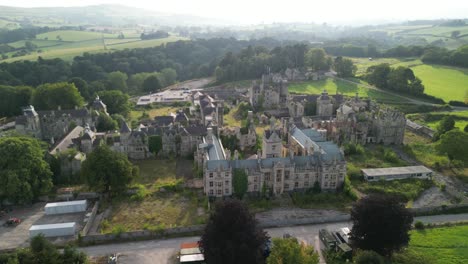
268	11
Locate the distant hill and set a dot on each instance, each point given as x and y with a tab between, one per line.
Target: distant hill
101	15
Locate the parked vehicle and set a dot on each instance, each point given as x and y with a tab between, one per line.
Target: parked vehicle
113	259
12	222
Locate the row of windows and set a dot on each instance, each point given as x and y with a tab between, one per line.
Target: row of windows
220	184
226	174
219	192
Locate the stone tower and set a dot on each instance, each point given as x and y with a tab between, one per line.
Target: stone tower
324	105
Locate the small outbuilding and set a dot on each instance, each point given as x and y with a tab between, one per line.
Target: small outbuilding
53	230
66	207
397	173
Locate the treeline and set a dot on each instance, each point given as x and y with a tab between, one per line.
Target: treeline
252	62
458	57
7	36
190	59
154	35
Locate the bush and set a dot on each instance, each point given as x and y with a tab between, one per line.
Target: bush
118	229
458	103
368	257
419	225
140	194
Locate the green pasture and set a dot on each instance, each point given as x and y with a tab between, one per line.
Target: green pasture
74	35
445	245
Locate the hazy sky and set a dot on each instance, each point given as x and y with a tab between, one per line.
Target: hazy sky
258	11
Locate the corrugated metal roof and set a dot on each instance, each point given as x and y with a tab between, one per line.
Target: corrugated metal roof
395	170
80	202
190	258
53	226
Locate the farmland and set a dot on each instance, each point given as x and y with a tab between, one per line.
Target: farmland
446	245
66	44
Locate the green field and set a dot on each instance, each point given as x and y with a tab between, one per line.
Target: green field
347	88
74	35
446	245
448	83
432	119
75	43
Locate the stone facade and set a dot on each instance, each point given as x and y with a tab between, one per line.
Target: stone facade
310	159
271	93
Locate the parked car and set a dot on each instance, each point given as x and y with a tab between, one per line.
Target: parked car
113	259
12	222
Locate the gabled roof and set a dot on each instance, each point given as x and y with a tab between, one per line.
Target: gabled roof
125	128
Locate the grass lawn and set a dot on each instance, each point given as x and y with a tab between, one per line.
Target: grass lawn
347	88
446	245
164	203
160	111
145	43
230	119
448	83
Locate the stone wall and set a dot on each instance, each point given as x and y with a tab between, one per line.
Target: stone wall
91	218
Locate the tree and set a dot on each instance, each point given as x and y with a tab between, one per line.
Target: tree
344	67
380	223
446	124
105	123
466	128
289	250
51	96
455	33
151	84
317	59
108	171
368	257
239	183
135	82
378	75
232	235
169	75
453	144
24	174
82	87
155	144
116	102
117	81
13	98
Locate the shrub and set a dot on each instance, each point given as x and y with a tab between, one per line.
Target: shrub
368	257
419	225
140	194
118	229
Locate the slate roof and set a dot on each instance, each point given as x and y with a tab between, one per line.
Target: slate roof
269	132
125	128
164	120
67	141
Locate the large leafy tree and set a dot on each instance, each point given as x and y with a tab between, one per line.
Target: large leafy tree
82	87
116	102
13	98
454	143
232	235
24	174
107	171
380	223
344	67
317	59
52	95
117	81
105	123
289	250
152	84
446	124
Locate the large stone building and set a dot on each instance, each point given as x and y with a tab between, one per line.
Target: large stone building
271	93
309	160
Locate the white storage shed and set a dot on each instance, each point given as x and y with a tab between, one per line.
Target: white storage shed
53	230
66	207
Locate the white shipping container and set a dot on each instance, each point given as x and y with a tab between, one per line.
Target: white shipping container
66	207
53	230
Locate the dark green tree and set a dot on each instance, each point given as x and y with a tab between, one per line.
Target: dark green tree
105	170
446	124
24	174
466	128
51	96
454	144
116	102
317	59
82	87
155	144
117	81
232	235
12	99
379	216
368	257
105	123
378	75
239	183
151	84
344	67
289	250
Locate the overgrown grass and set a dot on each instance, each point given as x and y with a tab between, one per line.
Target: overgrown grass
432	119
423	150
447	245
152	113
408	189
159	201
322	200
